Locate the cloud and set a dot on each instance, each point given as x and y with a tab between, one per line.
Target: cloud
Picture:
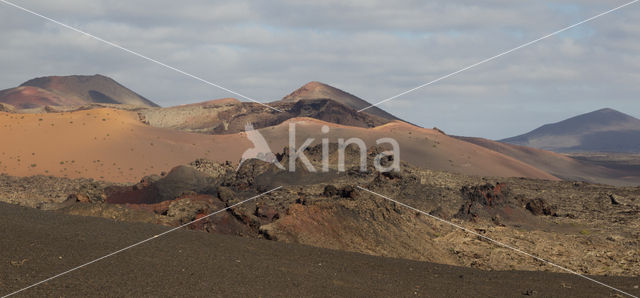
373	49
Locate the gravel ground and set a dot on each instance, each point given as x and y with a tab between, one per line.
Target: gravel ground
37	244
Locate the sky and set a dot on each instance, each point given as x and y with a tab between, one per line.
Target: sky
373	49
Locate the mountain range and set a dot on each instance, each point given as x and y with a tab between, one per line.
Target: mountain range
136	136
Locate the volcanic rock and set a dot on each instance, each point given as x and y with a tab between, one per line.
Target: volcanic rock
539	206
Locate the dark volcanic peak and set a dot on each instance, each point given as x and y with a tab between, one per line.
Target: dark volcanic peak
71	91
318	90
605	130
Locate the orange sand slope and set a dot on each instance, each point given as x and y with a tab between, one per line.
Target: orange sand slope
422	147
114	145
105	144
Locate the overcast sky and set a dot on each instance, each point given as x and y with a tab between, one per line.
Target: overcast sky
372	49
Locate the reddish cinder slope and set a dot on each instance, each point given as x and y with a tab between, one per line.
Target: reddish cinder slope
422	147
27	97
71	91
105	144
115	145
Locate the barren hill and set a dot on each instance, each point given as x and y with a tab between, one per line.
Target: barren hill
605	130
226	116
317	90
113	145
104	144
421	147
71	91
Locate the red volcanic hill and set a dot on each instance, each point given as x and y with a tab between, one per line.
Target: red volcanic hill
317	90
71	91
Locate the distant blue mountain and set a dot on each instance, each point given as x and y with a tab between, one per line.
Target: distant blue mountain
605	130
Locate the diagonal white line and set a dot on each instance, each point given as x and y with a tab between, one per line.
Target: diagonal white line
136	53
499	55
496	242
138	243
